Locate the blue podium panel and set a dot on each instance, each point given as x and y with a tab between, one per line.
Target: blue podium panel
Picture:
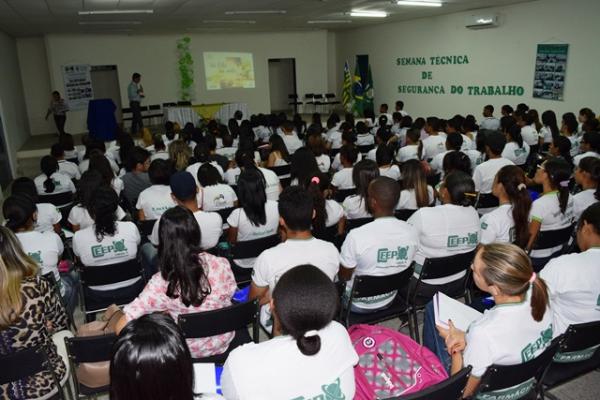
101	120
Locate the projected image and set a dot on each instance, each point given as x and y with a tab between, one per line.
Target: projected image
229	70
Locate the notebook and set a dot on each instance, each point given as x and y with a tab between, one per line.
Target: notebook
448	308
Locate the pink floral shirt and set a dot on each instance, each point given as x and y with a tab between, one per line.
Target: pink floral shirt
154	298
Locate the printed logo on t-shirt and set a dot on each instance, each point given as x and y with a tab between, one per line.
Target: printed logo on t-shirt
520	151
463	241
332	391
528	353
484	226
37	257
118	247
219	201
160	210
56	183
598	303
385	255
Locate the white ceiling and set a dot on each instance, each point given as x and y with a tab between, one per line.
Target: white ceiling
37	17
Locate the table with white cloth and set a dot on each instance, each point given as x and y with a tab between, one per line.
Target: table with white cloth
221	111
181	115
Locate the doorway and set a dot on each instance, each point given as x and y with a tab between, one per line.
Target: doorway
105	85
5	171
282	83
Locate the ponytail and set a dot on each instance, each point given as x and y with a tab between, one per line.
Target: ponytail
559	173
414	178
539	297
49	166
103	211
420	150
309	344
315	188
512	179
461	188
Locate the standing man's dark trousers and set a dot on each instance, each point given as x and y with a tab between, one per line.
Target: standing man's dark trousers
136	117
60	120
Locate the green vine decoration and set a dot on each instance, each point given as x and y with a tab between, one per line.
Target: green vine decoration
186	68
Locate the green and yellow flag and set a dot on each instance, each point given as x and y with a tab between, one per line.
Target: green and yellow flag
347	99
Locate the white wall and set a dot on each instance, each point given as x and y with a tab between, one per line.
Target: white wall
154	56
504	55
12	102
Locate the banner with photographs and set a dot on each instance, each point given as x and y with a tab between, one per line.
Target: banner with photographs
78	85
550	71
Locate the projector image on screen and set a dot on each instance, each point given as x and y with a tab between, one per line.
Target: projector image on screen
225	70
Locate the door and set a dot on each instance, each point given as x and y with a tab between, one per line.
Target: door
5	172
105	84
282	83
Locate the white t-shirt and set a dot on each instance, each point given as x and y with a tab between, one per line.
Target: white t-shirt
343	179
383	247
490	123
324	163
62	184
211	228
372	154
505	335
336	165
291	374
434	145
193	169
445	230
44	248
69	169
581	201
273	187
47	216
485	173
476	158
292	143
468	143
84	165
355	207
232	175
530	135
546	134
575	143
335	212
160	155
81	217
546	210
574	284
335	138
408	152
437	163
262	133
120	247
365	139
217	197
577	159
117	185
247	231
228	152
498	225
408	199
155	200
391	172
518	155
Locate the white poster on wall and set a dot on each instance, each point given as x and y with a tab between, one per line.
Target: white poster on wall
78	85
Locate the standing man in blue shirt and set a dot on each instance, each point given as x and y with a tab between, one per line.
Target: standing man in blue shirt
135	92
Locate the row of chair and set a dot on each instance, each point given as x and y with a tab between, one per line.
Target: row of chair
153	111
313	99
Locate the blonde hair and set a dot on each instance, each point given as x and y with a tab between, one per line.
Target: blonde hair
15	266
180	153
509	268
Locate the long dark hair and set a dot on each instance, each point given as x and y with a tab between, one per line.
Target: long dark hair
305	300
277	144
18	211
413	177
559	173
178	257
86	187
514	131
563	144
512	179
103	209
150	360
252	196
316	187
549	120
49	166
591	165
304	165
461	188
362	174
98	162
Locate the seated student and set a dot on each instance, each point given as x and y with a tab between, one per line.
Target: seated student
382	137
362	249
454	125
228	150
160	150
334	133
303	166
279	154
549	128
413	149
589	146
560	148
316	144
363	136
48	216
456	161
65	167
454	142
214	195
528	132
553	209
435	143
587	175
296	210
489	121
449	229
155	200
304	305
348	139
257	216
107	242
585	116
478	155
189	280
134	362
328	212
509	223
515	150
383	112
385	159
51	181
211	142
569	129
573	279
503	335
101	164
415	191
180	154
485	173
79	215
136	179
290	137
356	206
169	135
31	314
71	151
98	146
201	157
343	179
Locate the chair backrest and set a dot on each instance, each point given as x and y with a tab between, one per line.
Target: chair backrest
318	96
487	200
330	96
281	170
450	389
25	363
522	379
554	238
435	268
368	286
341	194
84	349
223	320
169	104
365	148
112	273
309	96
253	248
57	199
154	107
126	110
292	96
581	342
146	226
184	103
357	223
404	215
225	212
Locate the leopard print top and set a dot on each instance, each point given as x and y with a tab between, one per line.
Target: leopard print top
40	305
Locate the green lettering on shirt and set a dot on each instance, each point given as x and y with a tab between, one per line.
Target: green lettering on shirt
116	247
331	391
459	241
37	257
528	353
384	255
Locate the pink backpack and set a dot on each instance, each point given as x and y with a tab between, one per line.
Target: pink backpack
391	363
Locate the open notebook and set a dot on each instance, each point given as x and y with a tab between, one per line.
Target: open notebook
448	308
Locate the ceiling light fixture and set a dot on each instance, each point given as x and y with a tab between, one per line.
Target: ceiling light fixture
228	21
330	21
110	22
418	3
256	12
368	14
110	12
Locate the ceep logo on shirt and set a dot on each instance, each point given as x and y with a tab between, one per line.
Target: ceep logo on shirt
331	391
528	353
463	241
384	255
118	247
37	257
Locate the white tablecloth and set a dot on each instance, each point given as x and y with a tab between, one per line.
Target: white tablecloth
181	115
226	112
